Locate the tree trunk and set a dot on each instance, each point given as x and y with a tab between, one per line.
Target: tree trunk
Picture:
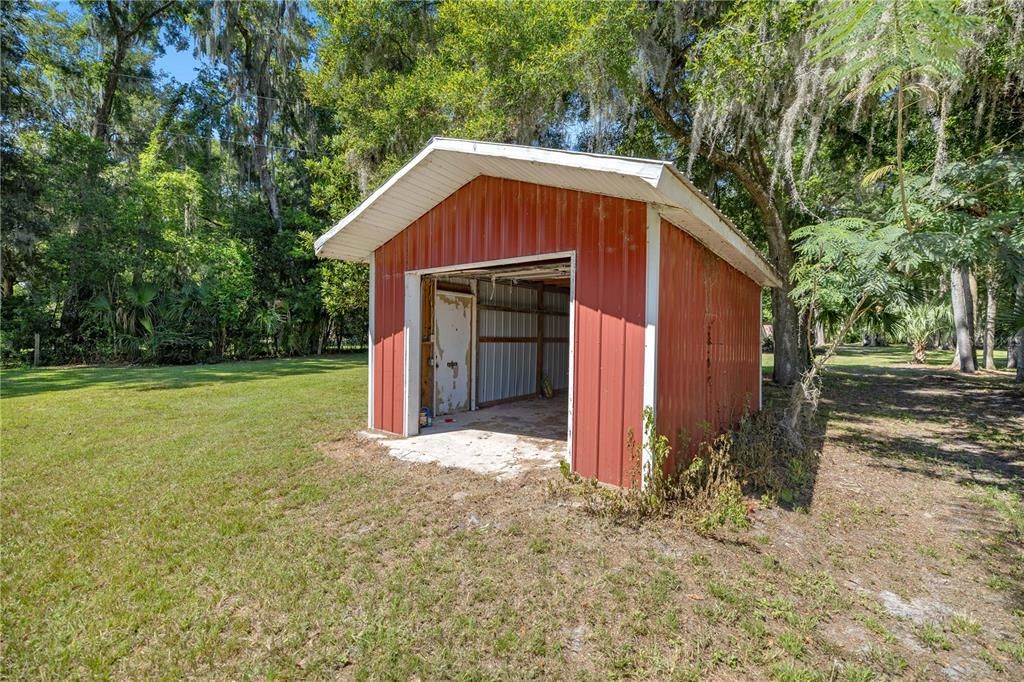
920	355
1015	339
101	122
973	280
261	155
965	359
989	356
789	359
819	334
124	36
1019	355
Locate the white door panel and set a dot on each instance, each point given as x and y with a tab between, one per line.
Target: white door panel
453	335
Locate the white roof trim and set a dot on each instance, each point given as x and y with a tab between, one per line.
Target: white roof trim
445	165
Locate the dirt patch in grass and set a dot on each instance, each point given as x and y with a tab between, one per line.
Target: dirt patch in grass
899	562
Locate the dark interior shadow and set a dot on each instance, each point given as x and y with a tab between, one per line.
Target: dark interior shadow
16	383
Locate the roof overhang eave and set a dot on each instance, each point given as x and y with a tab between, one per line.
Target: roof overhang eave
681	195
659	183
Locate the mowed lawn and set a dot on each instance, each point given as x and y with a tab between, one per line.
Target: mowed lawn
157	520
221	522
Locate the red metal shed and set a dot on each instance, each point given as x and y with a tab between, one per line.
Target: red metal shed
501	271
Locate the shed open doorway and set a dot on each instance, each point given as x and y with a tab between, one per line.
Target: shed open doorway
494	360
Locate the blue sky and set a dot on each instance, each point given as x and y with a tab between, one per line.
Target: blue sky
181	66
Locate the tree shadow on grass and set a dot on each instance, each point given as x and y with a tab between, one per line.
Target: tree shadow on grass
974	432
998	545
939	425
878	401
773	467
913	455
28	382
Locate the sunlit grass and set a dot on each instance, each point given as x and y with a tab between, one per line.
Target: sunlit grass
889	356
146	510
190	522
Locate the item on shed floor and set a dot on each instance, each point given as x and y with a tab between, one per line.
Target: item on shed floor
426	417
545	387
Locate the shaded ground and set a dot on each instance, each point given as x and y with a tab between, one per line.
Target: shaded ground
202	531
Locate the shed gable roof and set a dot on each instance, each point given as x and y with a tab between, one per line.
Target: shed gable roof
445	165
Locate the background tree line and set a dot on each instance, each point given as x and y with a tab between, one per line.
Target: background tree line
872	148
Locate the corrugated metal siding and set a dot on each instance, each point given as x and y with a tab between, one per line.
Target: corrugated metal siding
491	218
556	300
556	364
556	353
708	342
610	286
507	323
443	172
506	370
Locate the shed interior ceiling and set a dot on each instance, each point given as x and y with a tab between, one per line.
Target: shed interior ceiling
555	272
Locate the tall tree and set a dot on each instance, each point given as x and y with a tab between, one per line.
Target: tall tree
396	74
123	24
950	60
963	300
732	98
262	45
21	173
991	311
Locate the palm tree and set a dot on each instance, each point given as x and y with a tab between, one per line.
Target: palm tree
919	324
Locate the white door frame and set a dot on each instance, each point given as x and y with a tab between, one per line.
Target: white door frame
413	334
652	291
371	337
472	340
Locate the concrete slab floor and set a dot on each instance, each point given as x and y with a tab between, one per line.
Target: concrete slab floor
502	440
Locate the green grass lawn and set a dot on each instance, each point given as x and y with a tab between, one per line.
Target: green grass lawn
220	522
143	509
890	356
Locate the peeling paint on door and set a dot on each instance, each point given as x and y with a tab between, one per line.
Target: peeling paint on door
453	325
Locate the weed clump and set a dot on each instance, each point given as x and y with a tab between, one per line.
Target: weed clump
714	488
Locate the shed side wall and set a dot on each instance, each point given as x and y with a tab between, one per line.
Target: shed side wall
709	345
492	218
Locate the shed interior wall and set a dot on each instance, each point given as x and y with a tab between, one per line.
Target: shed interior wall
521	337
